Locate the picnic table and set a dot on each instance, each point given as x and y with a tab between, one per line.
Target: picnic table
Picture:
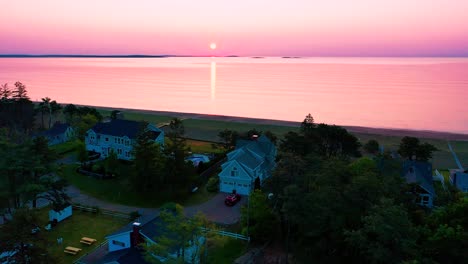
72	250
87	240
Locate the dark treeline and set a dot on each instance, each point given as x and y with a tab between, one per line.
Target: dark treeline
325	203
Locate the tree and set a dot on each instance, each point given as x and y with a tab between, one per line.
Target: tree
70	112
336	141
17	236
55	108
85	123
411	148
5	92
114	114
387	234
149	163
178	232
20	93
111	164
180	172
445	234
258	220
82	153
372	146
44	107
270	135
308	125
229	138
43	158
55	192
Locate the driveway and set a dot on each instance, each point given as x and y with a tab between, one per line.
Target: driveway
214	209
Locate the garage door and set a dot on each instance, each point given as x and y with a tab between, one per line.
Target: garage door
227	187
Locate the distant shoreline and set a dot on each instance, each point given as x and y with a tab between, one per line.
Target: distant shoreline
397	132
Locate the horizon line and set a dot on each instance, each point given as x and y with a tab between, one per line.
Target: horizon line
221	56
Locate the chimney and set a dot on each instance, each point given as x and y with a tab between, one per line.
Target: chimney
255	137
135	236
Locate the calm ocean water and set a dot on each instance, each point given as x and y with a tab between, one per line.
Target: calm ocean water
414	93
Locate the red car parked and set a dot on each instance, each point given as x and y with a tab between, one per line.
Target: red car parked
232	199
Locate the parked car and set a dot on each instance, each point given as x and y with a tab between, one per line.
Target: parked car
232	199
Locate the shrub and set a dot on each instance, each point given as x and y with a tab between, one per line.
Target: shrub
213	184
96	209
134	215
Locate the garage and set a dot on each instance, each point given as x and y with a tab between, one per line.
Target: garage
228	187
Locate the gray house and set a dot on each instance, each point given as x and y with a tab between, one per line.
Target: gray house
420	174
119	136
59	133
459	179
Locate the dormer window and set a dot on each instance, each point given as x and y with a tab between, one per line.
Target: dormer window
234	172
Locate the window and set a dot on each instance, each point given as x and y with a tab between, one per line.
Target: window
118	243
98	136
107	139
234	172
115	140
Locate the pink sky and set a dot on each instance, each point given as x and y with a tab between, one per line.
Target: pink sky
242	27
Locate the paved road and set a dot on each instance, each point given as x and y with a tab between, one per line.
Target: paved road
214	209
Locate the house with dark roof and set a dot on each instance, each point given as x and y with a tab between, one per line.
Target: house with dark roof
419	173
59	133
459	179
118	135
123	244
251	160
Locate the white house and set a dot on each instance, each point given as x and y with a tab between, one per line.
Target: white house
118	135
459	179
250	160
59	133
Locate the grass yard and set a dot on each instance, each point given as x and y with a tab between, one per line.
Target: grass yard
119	191
72	229
198	146
226	253
67	147
209	129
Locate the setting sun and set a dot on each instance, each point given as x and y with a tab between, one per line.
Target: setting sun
212	45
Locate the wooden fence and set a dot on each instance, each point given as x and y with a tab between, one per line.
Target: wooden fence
102	211
228	234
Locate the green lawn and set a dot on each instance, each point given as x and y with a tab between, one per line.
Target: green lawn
227	252
67	147
119	190
198	146
72	229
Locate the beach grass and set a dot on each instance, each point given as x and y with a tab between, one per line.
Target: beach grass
208	129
